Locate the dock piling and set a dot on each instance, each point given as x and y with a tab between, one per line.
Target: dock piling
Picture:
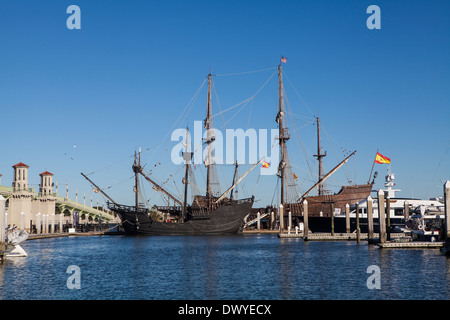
347	218
447	210
305	219
370	219
446	244
388	217
358	233
290	221
381	216
281	213
406	210
272	221
332	219
258	221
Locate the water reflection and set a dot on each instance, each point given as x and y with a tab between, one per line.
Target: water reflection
231	267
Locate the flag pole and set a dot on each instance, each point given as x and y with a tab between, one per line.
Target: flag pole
373	164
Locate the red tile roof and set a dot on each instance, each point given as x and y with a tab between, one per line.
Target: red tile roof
20	164
46	173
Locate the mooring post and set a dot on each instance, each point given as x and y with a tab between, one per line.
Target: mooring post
370	219
258	220
406	210
381	216
332	219
2	229
347	218
388	217
272	220
358	233
447	212
290	221
305	220
281	218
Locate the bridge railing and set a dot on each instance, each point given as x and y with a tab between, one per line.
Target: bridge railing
82	207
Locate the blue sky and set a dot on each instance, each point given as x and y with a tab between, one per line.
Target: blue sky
122	80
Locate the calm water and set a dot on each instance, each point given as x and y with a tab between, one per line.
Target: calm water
245	267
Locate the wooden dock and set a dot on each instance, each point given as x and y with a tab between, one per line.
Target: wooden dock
411	244
290	235
337	236
63	235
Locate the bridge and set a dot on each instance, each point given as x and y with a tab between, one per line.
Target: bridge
66	206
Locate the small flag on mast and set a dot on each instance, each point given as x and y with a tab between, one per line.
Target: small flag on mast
382	159
265	164
283	59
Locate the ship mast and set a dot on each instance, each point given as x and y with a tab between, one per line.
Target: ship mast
136	169
187	156
234	179
209	140
319	157
282	133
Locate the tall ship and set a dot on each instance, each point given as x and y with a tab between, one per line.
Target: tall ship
208	214
320	206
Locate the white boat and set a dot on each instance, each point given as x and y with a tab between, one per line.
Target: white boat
13	238
428	210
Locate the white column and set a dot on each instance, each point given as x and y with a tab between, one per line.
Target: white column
38	223
53	223
2	218
61	222
22	220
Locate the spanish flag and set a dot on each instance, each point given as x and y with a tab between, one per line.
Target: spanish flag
382	159
265	164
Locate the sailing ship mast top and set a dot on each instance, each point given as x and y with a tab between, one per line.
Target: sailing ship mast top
319	156
209	139
283	134
187	156
136	169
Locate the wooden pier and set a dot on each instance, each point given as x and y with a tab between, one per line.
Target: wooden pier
412	244
338	236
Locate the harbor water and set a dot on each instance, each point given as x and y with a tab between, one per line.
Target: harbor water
241	267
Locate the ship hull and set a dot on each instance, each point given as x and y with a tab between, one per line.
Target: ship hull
347	195
226	219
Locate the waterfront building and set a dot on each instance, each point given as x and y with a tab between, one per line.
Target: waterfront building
44	211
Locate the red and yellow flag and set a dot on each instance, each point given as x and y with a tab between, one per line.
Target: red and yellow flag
382	159
265	164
